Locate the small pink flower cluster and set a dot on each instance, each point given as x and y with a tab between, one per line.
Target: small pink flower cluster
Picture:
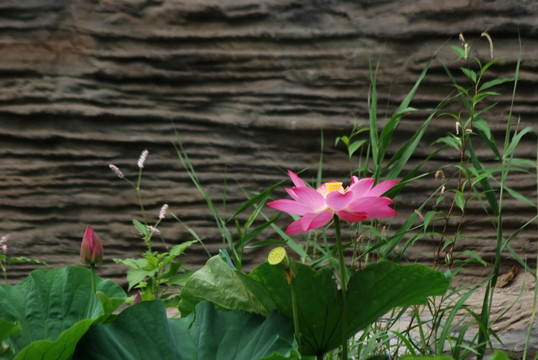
141	161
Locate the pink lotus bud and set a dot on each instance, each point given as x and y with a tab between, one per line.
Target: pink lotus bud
137	298
91	249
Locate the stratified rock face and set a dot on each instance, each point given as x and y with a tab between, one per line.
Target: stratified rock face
247	85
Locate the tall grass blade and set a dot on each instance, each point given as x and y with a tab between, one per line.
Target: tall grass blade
185	161
385	138
372	106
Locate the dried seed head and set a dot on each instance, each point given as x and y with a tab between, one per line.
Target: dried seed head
465	46
486	35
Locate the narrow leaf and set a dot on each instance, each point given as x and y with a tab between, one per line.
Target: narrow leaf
469	73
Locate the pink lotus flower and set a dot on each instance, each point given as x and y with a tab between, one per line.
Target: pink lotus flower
91	249
358	202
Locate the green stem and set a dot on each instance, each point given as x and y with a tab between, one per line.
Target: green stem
295	314
141	204
3	265
94	287
343	283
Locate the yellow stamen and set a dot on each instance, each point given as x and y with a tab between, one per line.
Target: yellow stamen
333	186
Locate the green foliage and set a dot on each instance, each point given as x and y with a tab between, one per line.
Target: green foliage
6	260
438	357
143	331
371	293
497	355
475	180
8	328
53	308
247	230
225	287
154	273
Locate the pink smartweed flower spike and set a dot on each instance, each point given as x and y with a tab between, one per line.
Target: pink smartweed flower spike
317	207
162	213
142	159
3	244
116	170
154	230
91	249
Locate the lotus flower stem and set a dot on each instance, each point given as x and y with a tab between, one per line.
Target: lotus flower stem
295	313
343	283
94	287
278	257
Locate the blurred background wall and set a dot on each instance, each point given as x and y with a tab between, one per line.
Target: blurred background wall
248	85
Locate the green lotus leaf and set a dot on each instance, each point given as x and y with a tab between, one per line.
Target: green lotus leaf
143	331
227	288
372	292
54	308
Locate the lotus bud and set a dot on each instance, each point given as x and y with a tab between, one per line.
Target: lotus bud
91	249
137	298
